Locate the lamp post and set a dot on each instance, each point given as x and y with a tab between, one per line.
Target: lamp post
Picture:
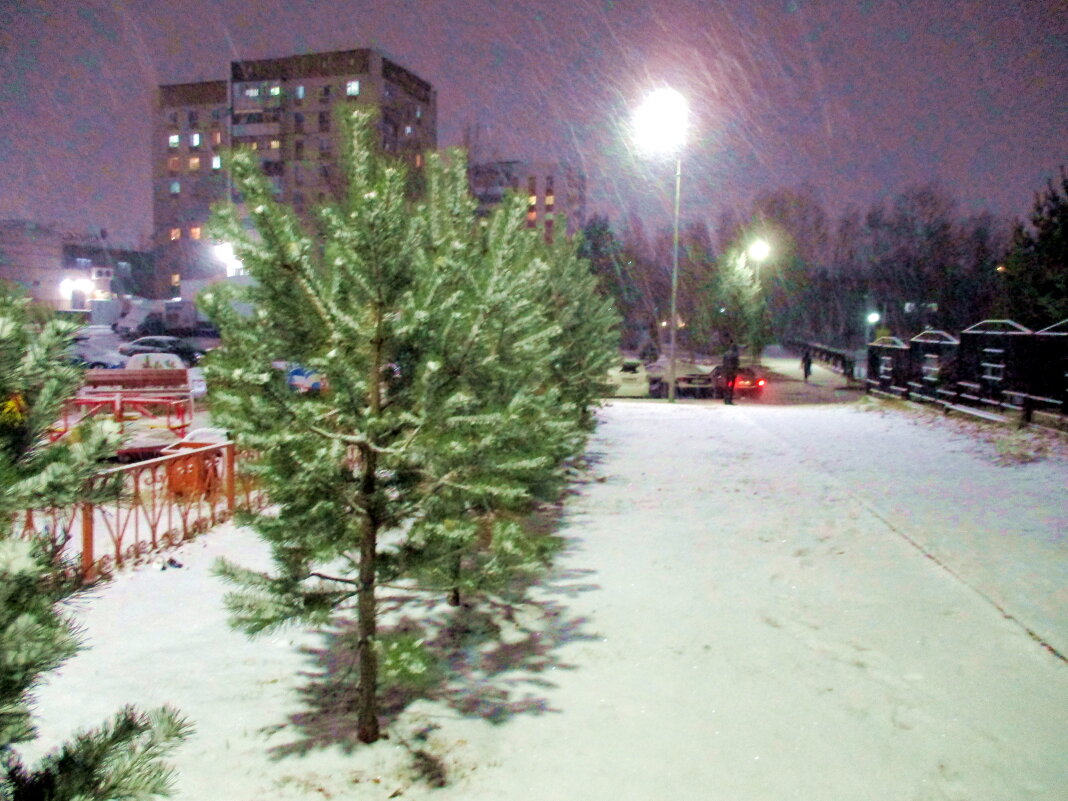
660	127
757	252
872	319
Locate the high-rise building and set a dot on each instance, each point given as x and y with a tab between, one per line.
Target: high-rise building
284	108
554	191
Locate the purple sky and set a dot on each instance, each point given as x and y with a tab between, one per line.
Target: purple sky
857	98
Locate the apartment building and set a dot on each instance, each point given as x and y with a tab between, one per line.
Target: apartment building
68	271
555	192
284	109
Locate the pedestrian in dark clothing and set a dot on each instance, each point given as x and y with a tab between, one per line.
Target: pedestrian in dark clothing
806	365
730	373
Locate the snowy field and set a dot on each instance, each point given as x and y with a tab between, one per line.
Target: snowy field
761	602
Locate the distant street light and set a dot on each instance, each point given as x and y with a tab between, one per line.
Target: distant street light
872	318
759	250
660	127
224	253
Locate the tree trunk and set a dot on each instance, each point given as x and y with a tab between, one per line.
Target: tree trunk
367	713
367	610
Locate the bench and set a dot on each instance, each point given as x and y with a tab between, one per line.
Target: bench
169	380
162	394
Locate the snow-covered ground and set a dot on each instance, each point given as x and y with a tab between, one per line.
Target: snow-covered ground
757	602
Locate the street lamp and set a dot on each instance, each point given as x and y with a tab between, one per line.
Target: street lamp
758	251
224	253
872	318
660	127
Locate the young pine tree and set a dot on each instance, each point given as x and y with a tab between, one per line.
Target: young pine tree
121	759
444	340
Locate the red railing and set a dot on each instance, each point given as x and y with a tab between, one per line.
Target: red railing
148	506
176	411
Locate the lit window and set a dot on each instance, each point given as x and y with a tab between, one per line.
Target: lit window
194	140
176	234
419	112
174	164
254	144
176	187
275	91
176	279
194	232
275	144
252	91
216	138
174	140
407	130
418	159
194	163
300	93
352	88
216	162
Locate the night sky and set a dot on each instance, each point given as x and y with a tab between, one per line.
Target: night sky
855	98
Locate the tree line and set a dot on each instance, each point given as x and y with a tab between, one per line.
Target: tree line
915	259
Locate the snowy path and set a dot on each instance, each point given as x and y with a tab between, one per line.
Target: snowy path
738	617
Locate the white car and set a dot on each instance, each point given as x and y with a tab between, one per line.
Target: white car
629	379
198	386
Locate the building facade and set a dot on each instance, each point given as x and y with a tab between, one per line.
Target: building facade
285	109
555	192
69	271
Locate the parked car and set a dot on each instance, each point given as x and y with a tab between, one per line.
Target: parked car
92	359
182	348
629	379
198	385
94	348
746	382
691	379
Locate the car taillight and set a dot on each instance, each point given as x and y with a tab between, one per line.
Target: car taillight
761	382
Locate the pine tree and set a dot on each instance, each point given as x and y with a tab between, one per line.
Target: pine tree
462	358
1036	268
732	307
121	759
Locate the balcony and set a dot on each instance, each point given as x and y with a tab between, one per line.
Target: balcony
257	129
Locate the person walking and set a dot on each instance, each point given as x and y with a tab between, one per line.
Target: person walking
806	365
730	373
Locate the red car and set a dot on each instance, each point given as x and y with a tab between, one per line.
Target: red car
746	382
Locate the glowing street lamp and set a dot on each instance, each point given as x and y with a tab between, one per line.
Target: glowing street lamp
759	250
659	126
872	318
224	252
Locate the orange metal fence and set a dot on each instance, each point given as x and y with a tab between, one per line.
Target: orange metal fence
147	507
